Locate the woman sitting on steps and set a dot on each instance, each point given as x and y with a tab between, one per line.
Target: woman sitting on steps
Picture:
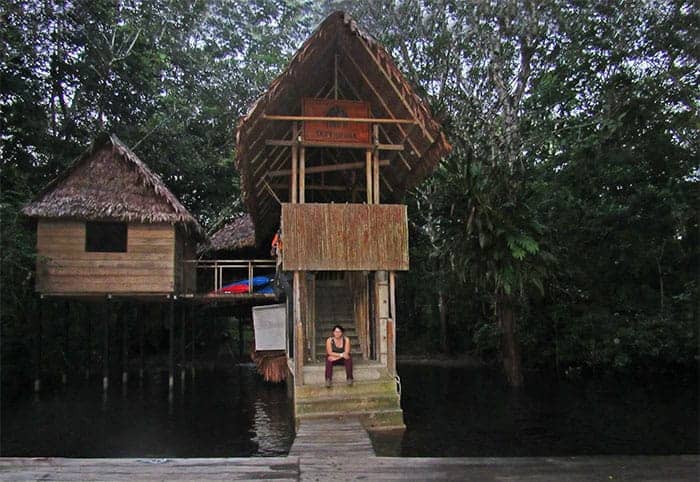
338	353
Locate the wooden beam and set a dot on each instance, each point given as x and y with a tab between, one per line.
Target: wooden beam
298	330
328	168
368	175
362	120
293	197
383	130
287	143
379	97
379	65
375	165
272	192
319	187
302	175
276	163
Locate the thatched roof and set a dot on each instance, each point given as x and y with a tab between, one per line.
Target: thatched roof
367	72
238	233
108	182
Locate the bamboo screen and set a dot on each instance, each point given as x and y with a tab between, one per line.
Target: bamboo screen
344	237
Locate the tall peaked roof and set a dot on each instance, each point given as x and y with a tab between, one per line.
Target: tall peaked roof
339	53
109	182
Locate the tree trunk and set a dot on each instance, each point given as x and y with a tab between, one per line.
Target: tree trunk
510	349
442	308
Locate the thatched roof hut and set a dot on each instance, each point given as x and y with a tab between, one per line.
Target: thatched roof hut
108	182
338	55
237	234
108	225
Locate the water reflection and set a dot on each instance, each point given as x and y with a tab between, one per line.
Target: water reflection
463	412
223	413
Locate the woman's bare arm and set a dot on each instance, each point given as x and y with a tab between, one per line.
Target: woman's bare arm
346	353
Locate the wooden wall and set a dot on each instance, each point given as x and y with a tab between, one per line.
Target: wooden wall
63	265
344	237
185	273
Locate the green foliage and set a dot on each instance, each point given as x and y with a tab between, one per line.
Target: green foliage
571	192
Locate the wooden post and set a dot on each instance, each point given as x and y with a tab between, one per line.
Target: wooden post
88	354
70	311
183	323
105	349
250	276
240	338
375	165
390	353
302	175
294	180
194	341
391	341
142	330
125	347
368	175
37	346
298	332
171	343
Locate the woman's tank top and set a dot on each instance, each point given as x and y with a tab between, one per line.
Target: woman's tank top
336	349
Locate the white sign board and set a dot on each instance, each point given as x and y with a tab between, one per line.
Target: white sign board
269	326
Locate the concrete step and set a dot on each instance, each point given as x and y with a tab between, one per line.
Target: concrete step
346	404
339	388
362	371
371	420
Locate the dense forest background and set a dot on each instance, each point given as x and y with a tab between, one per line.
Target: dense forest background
567	213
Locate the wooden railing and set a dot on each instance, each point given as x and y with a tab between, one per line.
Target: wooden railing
233	269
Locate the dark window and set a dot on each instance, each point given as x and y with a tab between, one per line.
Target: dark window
105	237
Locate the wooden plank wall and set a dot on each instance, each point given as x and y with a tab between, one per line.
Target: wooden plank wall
185	273
344	237
63	265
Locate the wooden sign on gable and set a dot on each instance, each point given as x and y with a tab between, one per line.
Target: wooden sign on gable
336	132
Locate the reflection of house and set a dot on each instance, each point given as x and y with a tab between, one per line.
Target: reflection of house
321	182
108	225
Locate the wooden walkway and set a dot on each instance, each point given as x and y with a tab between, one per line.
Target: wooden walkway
321	438
147	470
328	450
674	468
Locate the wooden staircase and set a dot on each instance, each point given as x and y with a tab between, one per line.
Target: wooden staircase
373	398
334	307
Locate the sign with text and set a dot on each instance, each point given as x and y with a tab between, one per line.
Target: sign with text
336	132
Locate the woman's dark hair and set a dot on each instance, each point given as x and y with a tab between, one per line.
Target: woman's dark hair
342	330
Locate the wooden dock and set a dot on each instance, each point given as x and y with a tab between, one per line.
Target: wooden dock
674	468
332	449
327	437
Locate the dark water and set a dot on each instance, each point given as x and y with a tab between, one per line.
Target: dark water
448	411
461	412
225	413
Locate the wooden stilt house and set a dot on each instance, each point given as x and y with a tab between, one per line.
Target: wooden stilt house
326	155
109	226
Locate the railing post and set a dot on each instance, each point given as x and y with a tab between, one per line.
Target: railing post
250	276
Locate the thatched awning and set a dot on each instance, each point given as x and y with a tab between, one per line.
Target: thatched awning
236	234
108	182
366	72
